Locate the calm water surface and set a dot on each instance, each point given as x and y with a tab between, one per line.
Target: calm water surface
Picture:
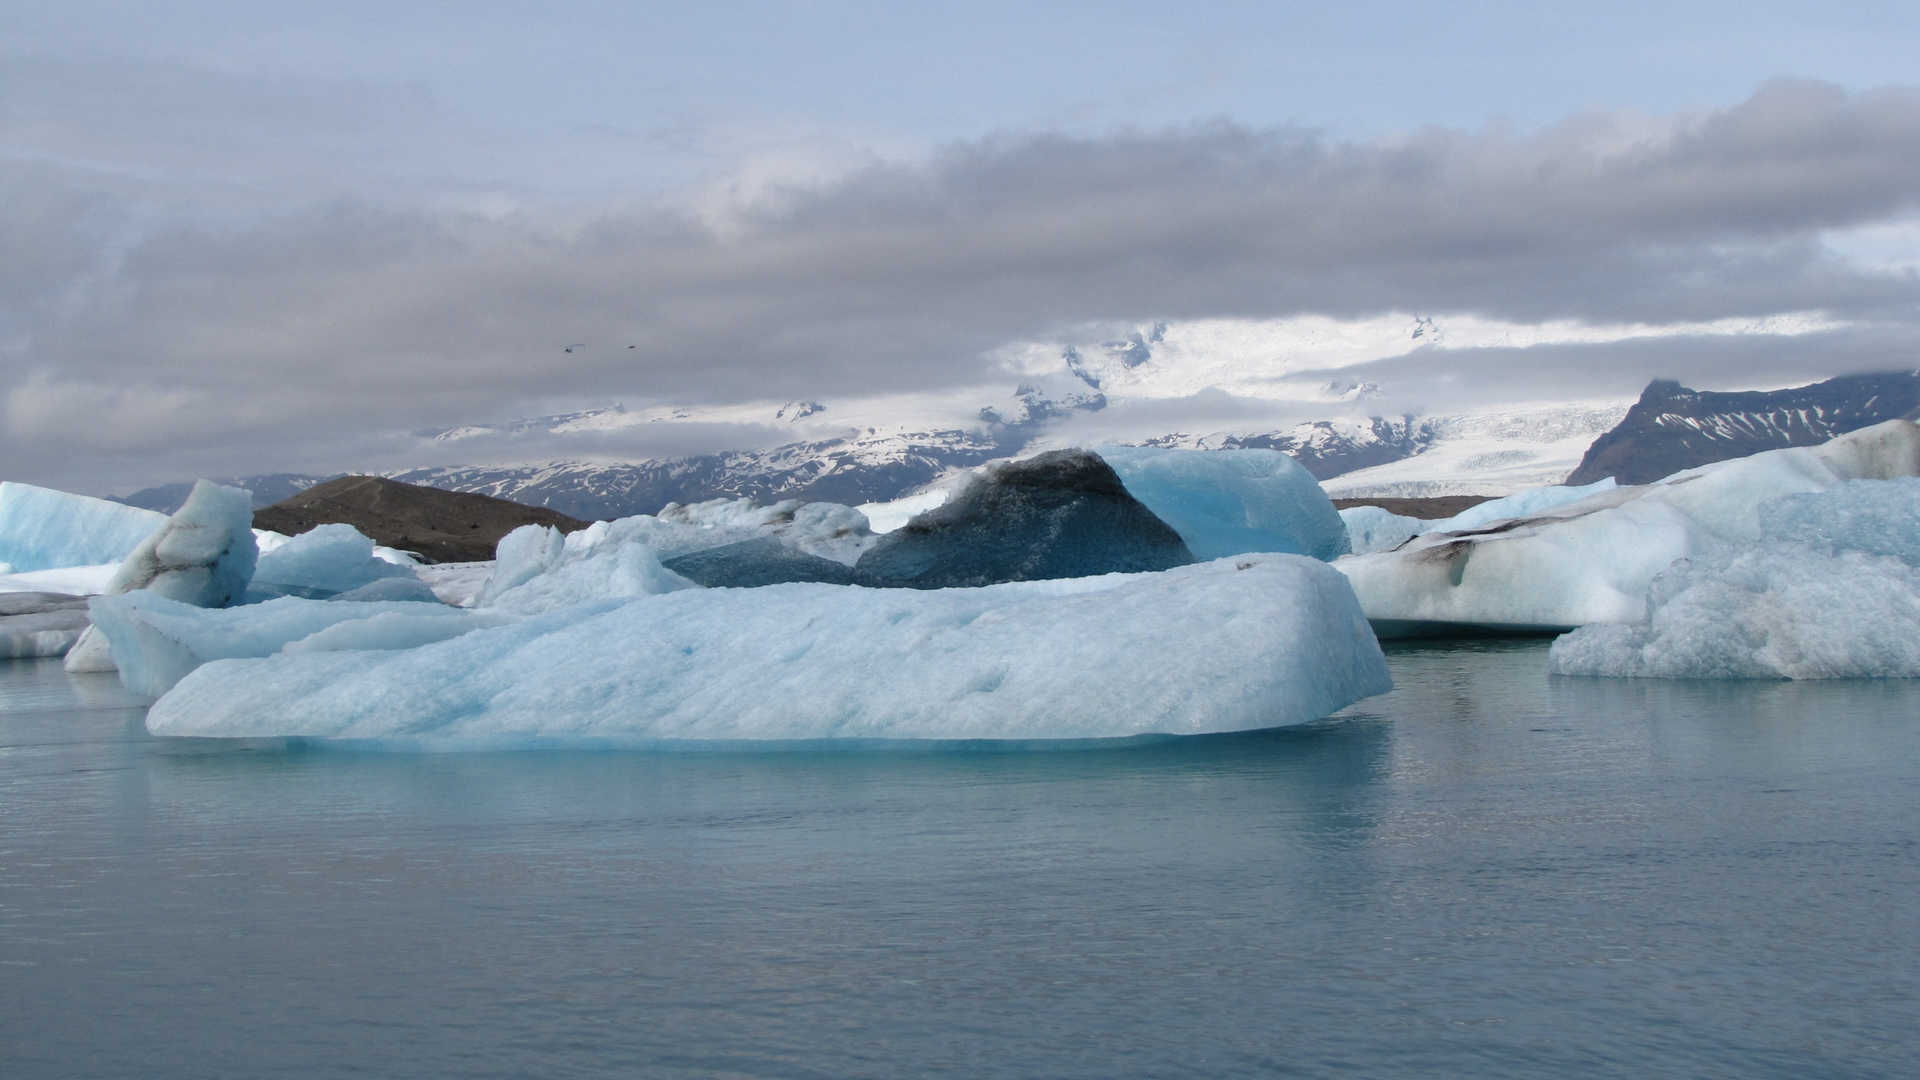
1489	872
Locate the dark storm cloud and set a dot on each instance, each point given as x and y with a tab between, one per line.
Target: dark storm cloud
380	309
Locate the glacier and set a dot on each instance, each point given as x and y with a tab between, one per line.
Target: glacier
1228	502
1245	642
1592	560
1831	590
44	529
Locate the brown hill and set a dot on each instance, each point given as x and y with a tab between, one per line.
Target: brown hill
440	526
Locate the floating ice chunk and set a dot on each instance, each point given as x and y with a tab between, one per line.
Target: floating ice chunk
1371	528
155	641
1591	561
203	555
39	624
1529	503
44	529
1225	502
824	530
1255	641
1764	613
75	580
324	561
1060	514
539	570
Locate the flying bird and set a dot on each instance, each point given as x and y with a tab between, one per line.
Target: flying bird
577	345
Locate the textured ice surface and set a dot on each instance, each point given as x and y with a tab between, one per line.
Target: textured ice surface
1371	529
39	623
77	580
538	569
155	641
1520	504
324	561
1880	517
823	530
1246	642
1832	590
1225	502
1061	514
203	555
752	563
43	529
1764	613
1591	561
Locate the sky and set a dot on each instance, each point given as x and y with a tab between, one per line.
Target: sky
251	237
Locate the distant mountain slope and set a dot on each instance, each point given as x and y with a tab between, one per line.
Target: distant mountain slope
267	490
1672	428
443	526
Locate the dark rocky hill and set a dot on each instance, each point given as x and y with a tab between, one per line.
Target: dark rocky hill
1672	428
440	526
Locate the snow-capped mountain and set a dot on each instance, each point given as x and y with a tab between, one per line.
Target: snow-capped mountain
1209	384
1672	428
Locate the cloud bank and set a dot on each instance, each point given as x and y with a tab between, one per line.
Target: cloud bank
177	307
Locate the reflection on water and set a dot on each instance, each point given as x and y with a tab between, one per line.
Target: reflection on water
1489	871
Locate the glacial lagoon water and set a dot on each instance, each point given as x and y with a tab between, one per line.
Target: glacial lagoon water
1489	872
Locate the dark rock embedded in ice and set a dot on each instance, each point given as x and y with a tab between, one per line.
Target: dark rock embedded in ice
1061	514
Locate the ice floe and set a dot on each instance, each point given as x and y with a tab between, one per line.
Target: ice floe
1592	560
1831	591
1246	642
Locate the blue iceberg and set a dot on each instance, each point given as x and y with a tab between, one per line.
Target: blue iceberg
1254	641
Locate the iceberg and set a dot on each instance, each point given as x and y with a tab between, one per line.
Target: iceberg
39	624
1592	560
1228	502
155	641
753	563
1061	514
203	555
1248	642
537	569
1763	613
44	529
324	561
1372	528
1831	591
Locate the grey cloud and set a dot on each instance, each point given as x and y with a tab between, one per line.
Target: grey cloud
365	313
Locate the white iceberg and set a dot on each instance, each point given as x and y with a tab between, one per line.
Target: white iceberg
1591	561
1254	641
1372	528
155	641
1831	591
536	569
36	624
203	555
1227	502
324	561
1764	613
44	529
